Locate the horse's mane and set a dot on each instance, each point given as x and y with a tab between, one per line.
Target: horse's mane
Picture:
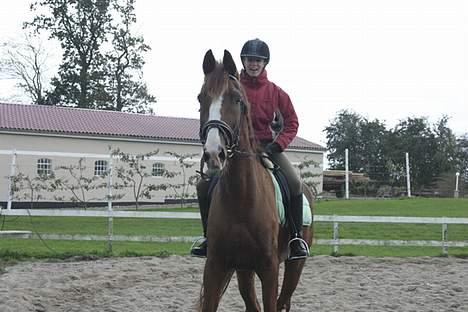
252	139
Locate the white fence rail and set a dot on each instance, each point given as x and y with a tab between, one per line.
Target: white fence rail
335	241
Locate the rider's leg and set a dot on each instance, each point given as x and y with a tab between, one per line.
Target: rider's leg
298	247
204	205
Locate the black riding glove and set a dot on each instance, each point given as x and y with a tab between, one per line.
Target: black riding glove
273	148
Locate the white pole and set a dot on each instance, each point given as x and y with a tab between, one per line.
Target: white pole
457	175
408	183
10	180
110	221
347	173
109	185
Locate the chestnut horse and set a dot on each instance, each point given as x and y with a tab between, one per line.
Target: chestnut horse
244	234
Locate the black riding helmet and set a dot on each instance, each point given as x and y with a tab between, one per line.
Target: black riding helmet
256	48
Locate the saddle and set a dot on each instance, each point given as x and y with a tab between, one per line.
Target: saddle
282	191
280	178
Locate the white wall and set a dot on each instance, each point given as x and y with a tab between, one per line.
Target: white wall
67	150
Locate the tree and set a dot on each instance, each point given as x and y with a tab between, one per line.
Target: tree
431	152
445	153
98	66
125	63
343	133
181	189
462	157
79	186
30	189
307	176
365	141
134	174
380	153
26	61
373	159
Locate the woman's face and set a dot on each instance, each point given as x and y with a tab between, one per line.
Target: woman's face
254	66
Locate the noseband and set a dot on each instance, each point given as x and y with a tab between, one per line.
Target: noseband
230	136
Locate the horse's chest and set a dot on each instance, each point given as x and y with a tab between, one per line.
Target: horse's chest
243	245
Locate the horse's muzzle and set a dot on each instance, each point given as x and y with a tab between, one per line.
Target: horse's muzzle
215	160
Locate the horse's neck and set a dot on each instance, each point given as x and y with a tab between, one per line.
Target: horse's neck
244	169
242	175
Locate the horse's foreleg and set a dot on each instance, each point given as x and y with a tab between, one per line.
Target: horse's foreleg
292	273
269	279
215	281
246	281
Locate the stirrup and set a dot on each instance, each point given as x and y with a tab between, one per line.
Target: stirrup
301	241
196	242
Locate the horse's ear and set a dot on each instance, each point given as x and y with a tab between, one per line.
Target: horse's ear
209	62
229	64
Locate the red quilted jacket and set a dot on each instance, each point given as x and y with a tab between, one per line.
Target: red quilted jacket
265	98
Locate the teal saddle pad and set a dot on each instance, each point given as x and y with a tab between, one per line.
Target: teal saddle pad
306	213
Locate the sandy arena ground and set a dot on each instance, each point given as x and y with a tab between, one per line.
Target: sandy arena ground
173	284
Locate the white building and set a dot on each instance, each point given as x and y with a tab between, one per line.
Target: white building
37	140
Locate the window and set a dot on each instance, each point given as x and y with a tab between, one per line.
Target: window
158	169
100	167
44	166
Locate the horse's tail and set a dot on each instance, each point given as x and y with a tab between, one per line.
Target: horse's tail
225	284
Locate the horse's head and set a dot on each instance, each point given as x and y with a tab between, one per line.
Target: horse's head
222	110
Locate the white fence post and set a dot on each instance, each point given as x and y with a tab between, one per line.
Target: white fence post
110	221
347	173
457	175
336	237
10	180
444	239
408	183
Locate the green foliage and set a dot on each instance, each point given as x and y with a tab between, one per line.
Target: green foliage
102	60
462	157
380	153
134	174
31	189
307	176
78	185
181	190
365	141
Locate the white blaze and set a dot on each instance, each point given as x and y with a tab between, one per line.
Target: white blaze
213	140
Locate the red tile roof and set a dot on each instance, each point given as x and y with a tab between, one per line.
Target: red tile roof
74	121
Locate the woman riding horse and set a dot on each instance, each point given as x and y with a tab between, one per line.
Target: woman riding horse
267	100
243	230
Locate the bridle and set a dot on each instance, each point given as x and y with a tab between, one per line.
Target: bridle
231	136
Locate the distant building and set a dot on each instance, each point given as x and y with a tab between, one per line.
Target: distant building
334	180
39	139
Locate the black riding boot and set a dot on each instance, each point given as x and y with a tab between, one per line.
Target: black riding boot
204	205
200	250
298	248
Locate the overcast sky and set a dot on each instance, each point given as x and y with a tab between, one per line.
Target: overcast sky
384	59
